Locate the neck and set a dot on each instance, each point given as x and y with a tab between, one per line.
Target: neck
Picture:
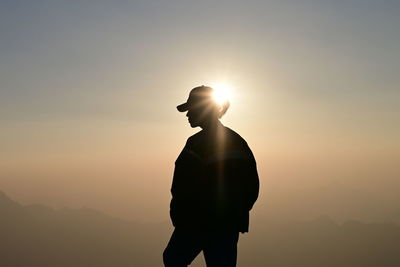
211	126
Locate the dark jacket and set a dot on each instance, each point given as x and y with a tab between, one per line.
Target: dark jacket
215	182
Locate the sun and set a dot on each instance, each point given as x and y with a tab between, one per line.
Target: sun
222	92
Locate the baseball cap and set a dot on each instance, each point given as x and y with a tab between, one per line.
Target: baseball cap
198	96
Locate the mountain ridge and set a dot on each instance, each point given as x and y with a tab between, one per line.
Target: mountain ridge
37	235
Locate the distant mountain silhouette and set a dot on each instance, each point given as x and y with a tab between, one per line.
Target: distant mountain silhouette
36	235
39	236
336	200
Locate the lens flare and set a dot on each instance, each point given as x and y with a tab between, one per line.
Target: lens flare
222	93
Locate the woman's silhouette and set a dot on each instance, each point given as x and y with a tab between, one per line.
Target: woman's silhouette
214	187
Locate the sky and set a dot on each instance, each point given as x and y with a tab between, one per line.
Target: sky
88	91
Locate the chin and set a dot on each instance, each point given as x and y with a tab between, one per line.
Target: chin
193	125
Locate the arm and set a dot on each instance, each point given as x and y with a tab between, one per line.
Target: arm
233	179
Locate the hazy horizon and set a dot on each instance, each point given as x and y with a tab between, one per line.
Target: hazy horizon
35	235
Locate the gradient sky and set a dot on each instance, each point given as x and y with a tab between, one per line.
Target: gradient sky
88	91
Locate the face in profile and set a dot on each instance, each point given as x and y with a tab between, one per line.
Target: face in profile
195	116
202	116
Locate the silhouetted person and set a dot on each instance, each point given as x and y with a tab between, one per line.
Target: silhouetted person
214	187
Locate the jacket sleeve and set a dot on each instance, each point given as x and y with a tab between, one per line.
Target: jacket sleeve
252	182
234	176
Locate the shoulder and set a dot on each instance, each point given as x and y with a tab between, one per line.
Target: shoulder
238	147
194	138
234	149
237	143
234	138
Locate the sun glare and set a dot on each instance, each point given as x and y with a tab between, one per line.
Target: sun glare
222	93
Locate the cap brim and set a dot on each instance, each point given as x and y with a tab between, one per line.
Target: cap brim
183	107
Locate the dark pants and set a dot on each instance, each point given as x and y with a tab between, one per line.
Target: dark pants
219	249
